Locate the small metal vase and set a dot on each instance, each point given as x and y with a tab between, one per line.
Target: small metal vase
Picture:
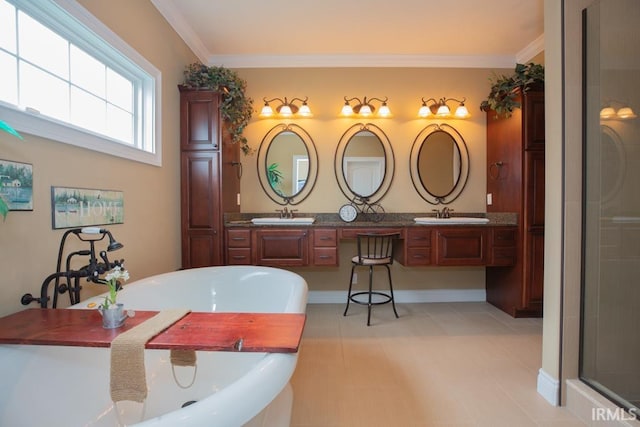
113	317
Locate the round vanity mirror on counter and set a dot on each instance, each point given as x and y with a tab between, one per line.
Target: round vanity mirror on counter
439	164
287	164
364	163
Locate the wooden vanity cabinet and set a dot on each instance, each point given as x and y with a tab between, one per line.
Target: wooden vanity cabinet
417	247
281	247
207	163
515	180
238	246
458	246
325	247
503	244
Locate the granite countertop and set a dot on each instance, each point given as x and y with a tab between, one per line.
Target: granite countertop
391	219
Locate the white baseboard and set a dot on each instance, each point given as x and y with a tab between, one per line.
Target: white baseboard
594	409
407	296
549	388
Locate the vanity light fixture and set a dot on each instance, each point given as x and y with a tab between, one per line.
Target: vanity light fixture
365	108
625	112
286	108
440	110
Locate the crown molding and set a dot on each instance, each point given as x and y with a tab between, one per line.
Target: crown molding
180	26
345	61
531	50
184	30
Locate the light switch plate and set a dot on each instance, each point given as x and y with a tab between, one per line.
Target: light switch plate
489	199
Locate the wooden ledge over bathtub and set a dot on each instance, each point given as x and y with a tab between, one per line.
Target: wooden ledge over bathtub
260	332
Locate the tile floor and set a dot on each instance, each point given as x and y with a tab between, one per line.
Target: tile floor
439	364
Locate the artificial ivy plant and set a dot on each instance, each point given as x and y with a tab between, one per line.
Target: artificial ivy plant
504	89
4	207
236	107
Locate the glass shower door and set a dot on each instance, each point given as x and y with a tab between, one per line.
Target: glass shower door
610	341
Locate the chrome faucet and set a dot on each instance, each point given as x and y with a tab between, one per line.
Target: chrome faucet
444	213
286	212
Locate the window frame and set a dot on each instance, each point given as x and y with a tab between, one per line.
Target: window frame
78	26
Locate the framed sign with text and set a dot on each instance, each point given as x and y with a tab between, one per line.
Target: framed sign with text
82	207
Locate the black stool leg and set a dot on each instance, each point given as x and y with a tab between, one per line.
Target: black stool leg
370	293
349	291
393	301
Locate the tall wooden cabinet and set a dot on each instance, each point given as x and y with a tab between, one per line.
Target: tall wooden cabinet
209	178
515	183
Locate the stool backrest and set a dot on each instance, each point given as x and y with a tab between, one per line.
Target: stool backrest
376	247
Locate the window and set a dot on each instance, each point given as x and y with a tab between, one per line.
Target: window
67	77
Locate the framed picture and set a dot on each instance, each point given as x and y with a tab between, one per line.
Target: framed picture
82	207
16	185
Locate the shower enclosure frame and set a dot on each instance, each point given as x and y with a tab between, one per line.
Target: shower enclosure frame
609	219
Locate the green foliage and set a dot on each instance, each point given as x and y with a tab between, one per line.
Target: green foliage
4	207
236	108
5	127
504	90
275	177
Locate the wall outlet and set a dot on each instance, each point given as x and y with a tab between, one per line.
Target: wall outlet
238	199
355	278
489	199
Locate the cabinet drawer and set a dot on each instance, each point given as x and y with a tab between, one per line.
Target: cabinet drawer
325	238
352	233
239	256
501	257
419	237
325	256
418	256
238	238
504	237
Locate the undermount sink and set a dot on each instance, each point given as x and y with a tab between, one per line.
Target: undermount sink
277	220
452	220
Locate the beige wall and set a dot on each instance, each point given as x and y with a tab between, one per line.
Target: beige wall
326	88
151	229
404	87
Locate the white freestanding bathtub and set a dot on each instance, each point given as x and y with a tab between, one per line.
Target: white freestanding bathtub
69	386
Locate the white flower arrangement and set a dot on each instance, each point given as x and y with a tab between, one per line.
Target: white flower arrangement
112	280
